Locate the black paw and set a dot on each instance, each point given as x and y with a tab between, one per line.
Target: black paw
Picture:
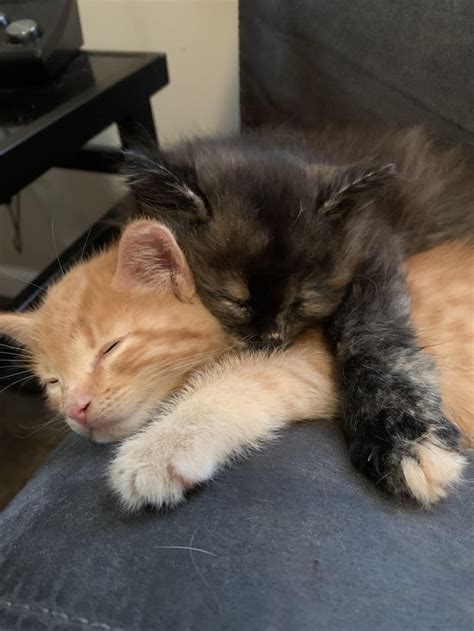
371	457
406	462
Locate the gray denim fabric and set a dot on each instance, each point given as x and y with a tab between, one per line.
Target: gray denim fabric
291	538
396	62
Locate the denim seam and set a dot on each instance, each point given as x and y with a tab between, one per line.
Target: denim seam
37	610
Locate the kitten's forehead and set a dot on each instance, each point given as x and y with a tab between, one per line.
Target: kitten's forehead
254	175
81	308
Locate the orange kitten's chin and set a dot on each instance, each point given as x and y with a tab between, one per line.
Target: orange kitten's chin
108	431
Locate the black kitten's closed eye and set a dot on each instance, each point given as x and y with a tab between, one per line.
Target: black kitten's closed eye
237	306
110	347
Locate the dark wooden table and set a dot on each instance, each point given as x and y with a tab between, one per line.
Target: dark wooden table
42	127
47	126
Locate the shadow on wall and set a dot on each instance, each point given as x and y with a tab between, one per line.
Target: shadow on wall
55	210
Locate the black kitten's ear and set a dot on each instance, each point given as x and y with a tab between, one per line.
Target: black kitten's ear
343	186
165	191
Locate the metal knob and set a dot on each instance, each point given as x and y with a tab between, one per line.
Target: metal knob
22	31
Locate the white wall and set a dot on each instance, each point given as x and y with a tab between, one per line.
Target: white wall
200	38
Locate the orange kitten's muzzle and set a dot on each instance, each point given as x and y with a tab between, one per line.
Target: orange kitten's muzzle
77	408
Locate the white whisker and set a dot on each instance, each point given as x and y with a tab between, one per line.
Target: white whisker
85	245
19	348
46	425
55	246
23	280
24	379
15	374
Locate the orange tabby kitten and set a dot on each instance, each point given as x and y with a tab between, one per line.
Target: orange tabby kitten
121	333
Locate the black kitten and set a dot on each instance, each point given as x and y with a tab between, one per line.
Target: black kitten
283	232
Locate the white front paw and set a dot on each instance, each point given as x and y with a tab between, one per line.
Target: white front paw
156	468
432	470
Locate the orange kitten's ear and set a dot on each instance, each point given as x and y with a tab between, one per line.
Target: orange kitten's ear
149	258
18	326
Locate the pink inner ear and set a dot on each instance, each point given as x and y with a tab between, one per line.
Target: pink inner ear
165	253
150	258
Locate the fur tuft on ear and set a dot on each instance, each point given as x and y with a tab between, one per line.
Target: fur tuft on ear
165	191
150	259
346	184
18	326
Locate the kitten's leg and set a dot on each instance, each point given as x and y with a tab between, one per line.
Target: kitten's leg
231	407
393	420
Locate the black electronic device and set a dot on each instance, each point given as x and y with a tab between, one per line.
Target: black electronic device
37	40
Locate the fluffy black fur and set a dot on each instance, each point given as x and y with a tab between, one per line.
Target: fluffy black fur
284	231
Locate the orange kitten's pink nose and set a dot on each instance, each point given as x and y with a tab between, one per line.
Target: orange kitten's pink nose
77	409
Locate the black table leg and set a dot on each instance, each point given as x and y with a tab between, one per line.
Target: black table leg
139	128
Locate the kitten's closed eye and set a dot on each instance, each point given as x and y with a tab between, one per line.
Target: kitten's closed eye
108	348
238	307
105	350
